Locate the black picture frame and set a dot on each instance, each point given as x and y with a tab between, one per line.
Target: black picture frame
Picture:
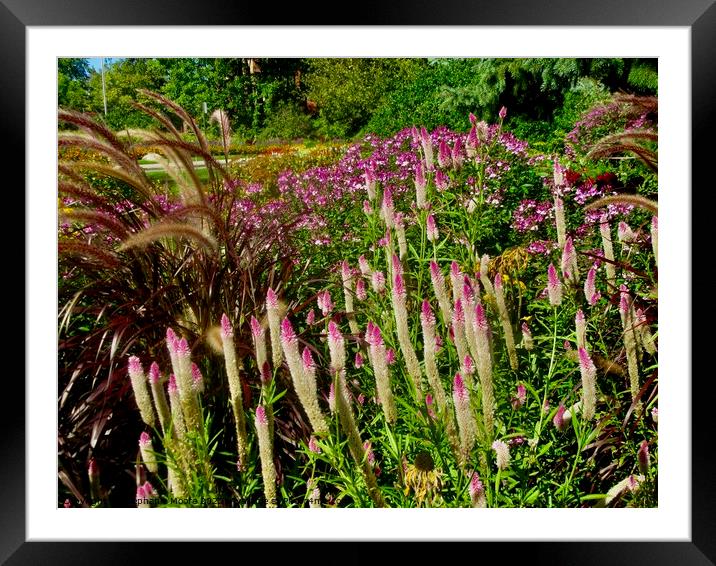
698	15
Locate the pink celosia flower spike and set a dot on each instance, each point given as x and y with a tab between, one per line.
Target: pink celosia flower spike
457	157
503	113
589	385
147	451
569	261
420	186
590	288
259	336
303	376
467	427
558	419
606	233
141	391
406	346
361	292
626	310
432	229
580	324
160	398
554	286
643	457
197	378
268	470
560	222
427	322
506	322
438	281
484	368
502	454
378	282
235	390
379	359
274	318
527	337
477	492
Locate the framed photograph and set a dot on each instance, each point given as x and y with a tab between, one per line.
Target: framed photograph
440	459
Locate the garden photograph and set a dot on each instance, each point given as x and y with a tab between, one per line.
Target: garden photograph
357	282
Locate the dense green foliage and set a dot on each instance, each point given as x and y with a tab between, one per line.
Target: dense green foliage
285	99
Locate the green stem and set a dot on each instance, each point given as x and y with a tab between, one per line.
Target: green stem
538	429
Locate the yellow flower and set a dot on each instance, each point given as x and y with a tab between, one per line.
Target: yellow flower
422	478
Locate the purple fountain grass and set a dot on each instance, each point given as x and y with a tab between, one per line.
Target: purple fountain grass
235	390
141	391
506	323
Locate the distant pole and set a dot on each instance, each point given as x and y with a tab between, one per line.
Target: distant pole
104	90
